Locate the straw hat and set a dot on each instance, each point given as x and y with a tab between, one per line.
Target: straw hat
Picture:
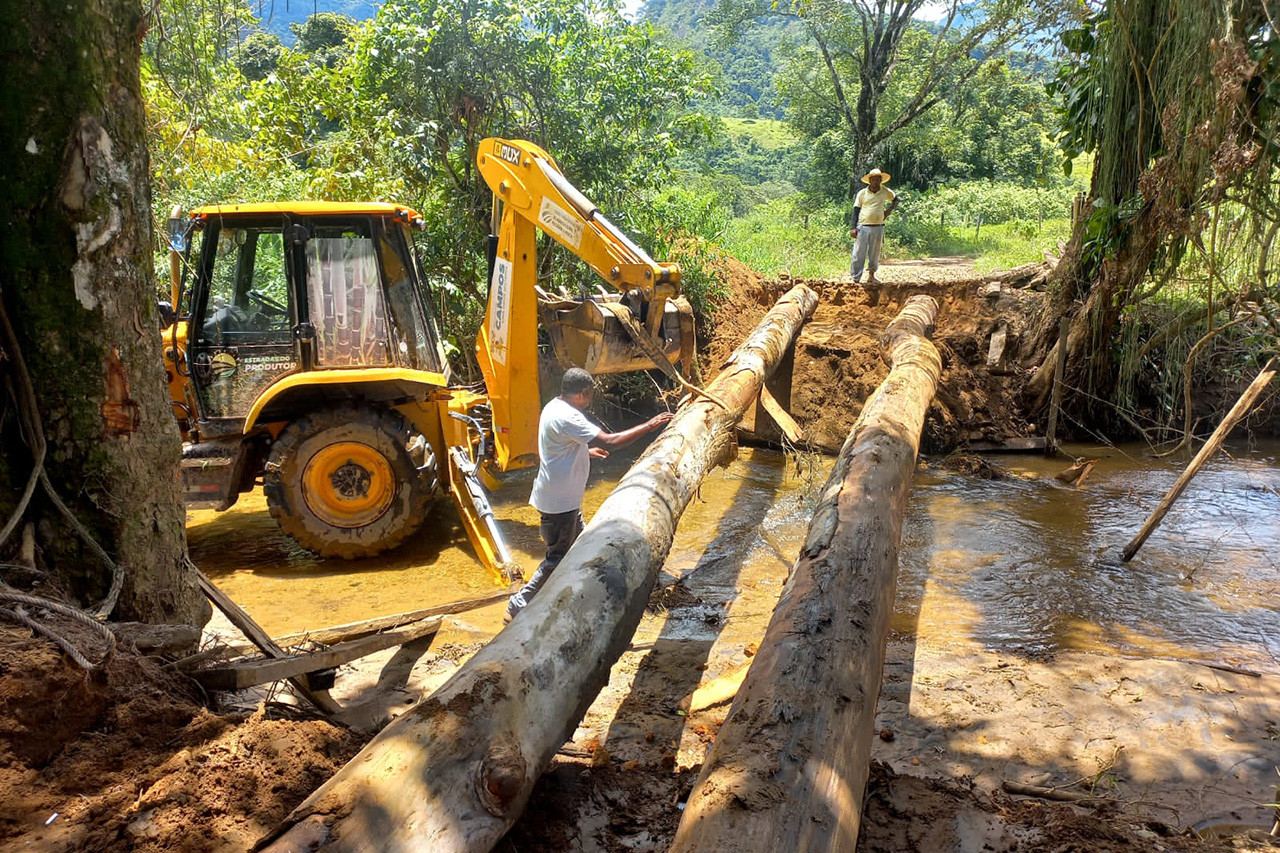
876	173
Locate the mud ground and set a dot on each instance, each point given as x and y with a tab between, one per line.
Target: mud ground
132	759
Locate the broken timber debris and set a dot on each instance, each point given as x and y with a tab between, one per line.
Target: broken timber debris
454	772
343	633
320	698
789	766
349	642
250	673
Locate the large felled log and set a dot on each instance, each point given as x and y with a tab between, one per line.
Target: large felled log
454	772
789	766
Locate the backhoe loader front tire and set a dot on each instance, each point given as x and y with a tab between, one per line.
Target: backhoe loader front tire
343	482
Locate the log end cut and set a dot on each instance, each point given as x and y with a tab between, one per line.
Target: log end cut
502	775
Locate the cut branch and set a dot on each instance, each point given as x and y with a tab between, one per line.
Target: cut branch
789	767
455	772
1238	411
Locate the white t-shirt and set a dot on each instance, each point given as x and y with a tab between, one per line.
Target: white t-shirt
563	458
873	204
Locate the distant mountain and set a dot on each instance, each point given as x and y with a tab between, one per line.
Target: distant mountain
747	67
277	15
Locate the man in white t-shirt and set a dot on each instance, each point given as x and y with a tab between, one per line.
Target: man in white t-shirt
871	208
565	437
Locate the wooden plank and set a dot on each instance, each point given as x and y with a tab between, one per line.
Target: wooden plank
780	416
351	630
238	676
1238	411
319	698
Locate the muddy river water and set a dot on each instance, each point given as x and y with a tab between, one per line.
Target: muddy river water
1022	565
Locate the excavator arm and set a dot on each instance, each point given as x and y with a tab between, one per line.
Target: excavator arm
530	193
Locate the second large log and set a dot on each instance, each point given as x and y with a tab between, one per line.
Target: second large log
454	772
789	766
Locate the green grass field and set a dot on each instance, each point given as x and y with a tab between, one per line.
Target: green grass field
773	238
768	133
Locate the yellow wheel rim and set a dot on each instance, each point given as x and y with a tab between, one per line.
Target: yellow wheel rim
348	484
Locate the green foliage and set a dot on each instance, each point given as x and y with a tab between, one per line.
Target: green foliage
686	227
764	133
778	235
984	203
1078	84
606	99
856	77
324	37
1106	229
1003	246
394	110
259	55
744	67
745	162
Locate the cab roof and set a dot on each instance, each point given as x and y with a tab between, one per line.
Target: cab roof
308	208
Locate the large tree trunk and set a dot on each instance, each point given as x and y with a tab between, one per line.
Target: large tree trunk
455	772
1154	156
789	766
75	282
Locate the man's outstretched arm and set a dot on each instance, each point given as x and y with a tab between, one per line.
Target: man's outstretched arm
618	440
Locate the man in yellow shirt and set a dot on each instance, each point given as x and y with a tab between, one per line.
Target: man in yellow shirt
871	208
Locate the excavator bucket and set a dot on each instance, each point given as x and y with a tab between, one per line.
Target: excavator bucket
600	334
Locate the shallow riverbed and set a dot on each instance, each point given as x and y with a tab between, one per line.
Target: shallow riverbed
1022	565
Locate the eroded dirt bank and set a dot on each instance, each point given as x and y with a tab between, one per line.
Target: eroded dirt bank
129	759
838	363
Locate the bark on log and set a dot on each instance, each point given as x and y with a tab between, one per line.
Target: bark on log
1019	276
789	767
454	772
1238	411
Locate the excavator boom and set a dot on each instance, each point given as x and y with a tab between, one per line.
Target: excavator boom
643	323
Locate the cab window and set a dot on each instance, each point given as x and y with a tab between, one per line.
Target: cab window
345	299
245	340
414	334
248	293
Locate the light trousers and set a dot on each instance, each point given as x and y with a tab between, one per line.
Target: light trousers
866	250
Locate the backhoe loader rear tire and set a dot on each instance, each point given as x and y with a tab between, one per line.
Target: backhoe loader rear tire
342	482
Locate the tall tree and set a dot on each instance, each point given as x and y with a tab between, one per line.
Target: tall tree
74	254
1180	100
602	95
854	56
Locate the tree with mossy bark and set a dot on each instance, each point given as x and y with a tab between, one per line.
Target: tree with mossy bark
85	419
1180	102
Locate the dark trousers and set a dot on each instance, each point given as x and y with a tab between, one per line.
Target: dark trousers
559	530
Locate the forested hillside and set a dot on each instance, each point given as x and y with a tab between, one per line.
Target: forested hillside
747	66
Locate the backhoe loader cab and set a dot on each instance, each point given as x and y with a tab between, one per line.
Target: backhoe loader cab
310	357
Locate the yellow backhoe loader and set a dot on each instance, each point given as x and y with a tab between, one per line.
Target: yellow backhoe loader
307	356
